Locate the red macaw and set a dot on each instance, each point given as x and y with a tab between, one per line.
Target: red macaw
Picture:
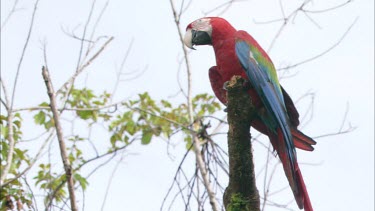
237	53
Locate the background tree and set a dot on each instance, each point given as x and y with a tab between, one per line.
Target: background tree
113	66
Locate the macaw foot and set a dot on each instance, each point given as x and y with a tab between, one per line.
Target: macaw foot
225	85
246	85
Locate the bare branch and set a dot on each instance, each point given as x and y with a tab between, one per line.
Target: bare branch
196	142
92	44
285	20
32	195
70	109
348	130
265	192
120	69
11	143
110	180
225	6
60	137
175	176
70	82
103	155
6	103
324	52
12	11
23	53
84	35
329	9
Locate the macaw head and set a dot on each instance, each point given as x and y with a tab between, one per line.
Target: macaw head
205	30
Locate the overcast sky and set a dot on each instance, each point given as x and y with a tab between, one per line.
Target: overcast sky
343	78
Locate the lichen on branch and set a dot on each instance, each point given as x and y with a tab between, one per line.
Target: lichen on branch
241	193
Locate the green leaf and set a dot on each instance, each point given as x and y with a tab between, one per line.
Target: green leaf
146	137
44	104
166	104
49	124
82	181
40	118
85	114
17	123
114	138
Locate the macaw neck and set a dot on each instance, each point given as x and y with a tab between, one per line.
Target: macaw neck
223	42
221	35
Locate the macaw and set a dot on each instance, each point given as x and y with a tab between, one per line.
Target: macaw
237	53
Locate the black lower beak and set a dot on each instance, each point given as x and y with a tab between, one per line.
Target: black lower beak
200	38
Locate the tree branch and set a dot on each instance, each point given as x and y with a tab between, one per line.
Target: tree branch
33	161
241	193
11	142
60	137
68	84
196	142
23	54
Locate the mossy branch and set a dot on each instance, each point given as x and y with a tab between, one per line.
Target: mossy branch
241	193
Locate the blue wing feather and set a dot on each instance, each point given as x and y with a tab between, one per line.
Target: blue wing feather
269	94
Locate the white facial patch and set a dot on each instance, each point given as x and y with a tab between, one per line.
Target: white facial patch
203	24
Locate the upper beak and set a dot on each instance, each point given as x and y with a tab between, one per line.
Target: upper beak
194	37
188	39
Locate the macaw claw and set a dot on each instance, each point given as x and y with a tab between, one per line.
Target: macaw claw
247	85
225	85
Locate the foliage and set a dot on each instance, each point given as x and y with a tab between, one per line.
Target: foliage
14	191
141	119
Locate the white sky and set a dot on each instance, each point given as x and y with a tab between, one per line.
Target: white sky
344	178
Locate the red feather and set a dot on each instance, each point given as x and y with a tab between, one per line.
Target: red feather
223	42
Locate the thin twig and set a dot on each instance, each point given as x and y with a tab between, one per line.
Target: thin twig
225	5
110	181
175	177
324	52
6	103
23	54
12	11
84	35
70	109
91	45
328	9
68	84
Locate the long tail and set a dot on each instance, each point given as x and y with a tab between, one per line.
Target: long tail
293	175
306	199
302	141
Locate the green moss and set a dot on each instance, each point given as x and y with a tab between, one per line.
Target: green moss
238	203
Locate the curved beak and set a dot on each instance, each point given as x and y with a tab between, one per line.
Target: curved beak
188	39
194	37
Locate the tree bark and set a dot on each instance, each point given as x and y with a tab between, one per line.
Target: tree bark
241	193
60	137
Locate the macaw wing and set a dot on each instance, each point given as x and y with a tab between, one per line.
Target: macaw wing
262	77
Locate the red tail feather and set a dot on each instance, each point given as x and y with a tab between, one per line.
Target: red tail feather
302	141
294	176
306	199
